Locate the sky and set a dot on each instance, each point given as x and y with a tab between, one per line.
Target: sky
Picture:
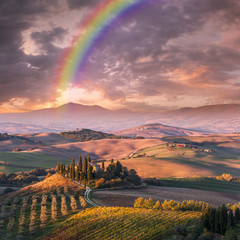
166	54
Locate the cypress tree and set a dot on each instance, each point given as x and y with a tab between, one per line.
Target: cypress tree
58	168
73	169
212	214
118	169
89	159
85	166
71	172
223	219
217	216
205	218
103	167
61	169
80	177
111	161
80	163
85	182
77	173
237	217
230	220
89	172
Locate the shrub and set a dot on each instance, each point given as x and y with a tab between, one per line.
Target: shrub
138	203
231	234
63	205
225	177
73	203
82	202
180	230
153	181
148	203
48	175
54	208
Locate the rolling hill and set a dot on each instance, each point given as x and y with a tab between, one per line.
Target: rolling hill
157	130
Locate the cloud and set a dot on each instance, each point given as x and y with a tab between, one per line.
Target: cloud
167	53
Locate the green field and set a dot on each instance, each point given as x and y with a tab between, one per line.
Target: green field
208	184
19	161
122	223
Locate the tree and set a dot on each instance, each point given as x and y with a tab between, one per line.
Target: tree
70	173
118	169
112	161
89	172
217	223
230	219
77	176
223	219
80	163
212	214
61	169
148	203
85	182
237	217
103	167
73	169
58	168
89	159
139	203
81	177
157	205
85	166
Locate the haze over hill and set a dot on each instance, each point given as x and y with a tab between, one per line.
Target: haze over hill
213	118
156	130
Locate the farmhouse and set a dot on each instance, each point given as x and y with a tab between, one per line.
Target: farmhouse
181	145
95	166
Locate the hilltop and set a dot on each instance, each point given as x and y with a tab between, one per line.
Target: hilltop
87	135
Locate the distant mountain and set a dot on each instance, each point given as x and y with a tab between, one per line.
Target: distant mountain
213	118
224	118
156	130
71	116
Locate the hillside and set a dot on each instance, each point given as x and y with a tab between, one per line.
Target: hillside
99	149
84	135
122	223
156	130
34	210
46	186
208	156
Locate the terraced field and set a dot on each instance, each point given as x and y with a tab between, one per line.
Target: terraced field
33	211
122	223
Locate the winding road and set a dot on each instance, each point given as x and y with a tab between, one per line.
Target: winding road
86	197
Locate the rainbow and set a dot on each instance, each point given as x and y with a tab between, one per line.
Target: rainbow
90	31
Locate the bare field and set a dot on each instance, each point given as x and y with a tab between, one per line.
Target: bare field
126	197
100	149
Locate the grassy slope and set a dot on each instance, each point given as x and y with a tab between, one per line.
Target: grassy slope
24	161
208	184
160	162
122	223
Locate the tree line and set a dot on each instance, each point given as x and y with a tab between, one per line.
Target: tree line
220	220
112	175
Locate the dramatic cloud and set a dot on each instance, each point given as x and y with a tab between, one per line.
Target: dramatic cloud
165	54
